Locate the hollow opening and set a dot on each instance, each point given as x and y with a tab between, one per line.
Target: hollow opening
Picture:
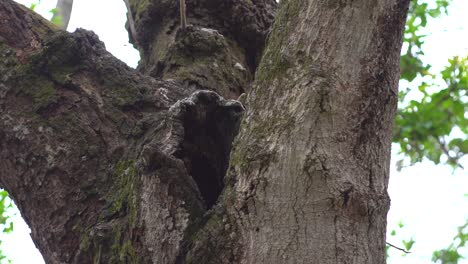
210	128
207	180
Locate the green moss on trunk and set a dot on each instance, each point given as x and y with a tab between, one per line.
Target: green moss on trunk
123	194
111	240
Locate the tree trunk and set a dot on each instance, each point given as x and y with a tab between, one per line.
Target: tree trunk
112	165
311	164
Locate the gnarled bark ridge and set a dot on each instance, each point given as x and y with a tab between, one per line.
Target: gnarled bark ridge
220	49
97	156
113	165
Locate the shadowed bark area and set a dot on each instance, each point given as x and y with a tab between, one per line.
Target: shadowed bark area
219	51
106	165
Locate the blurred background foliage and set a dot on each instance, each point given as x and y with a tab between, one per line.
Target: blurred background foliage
433	126
432	122
6	226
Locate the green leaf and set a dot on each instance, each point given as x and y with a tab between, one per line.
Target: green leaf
451	254
423	128
6	226
408	244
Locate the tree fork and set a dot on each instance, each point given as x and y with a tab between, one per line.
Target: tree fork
108	165
220	50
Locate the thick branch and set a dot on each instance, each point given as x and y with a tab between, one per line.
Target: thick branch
218	52
105	165
22	30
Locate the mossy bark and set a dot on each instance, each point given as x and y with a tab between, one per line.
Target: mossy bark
97	156
220	49
109	165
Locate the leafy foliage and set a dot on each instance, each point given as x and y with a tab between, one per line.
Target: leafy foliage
425	128
407	244
56	20
451	255
6	226
435	125
419	12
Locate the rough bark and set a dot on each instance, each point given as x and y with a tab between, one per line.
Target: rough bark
110	165
96	156
219	51
311	166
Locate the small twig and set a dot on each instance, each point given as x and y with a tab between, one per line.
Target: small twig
445	150
401	249
183	14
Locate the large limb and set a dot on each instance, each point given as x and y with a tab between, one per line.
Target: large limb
219	49
97	157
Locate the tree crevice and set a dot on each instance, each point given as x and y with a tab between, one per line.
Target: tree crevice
109	165
210	124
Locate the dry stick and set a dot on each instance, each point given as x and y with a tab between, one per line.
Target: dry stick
183	14
131	22
397	248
